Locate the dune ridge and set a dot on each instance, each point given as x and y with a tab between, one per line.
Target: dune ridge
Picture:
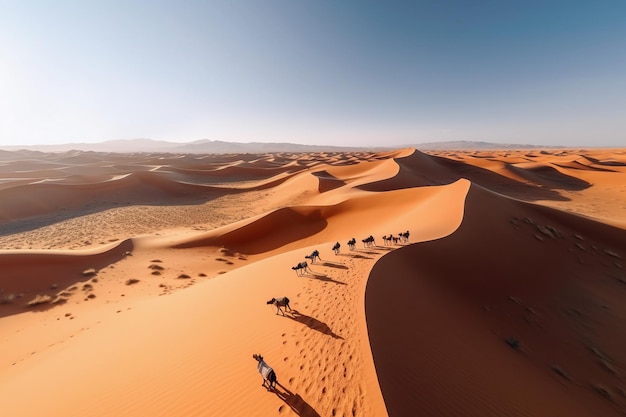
538	338
150	274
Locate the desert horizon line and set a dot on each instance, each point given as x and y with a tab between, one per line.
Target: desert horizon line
224	146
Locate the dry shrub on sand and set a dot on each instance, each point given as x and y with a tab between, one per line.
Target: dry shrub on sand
39	299
59	300
89	272
131	281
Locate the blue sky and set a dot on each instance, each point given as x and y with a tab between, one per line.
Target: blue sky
312	71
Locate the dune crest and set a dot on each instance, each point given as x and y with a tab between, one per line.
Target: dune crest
534	290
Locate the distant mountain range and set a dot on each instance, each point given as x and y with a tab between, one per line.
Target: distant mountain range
217	146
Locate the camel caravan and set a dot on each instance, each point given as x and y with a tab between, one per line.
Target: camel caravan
396	240
302	268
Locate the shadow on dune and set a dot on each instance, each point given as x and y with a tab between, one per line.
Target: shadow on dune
582	167
369	252
355	255
55	277
327	181
610	163
334	265
297	404
322	277
459	299
420	169
267	232
547	176
313	323
387	248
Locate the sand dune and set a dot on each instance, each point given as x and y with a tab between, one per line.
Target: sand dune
137	284
514	272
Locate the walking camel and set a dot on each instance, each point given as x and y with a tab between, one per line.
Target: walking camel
336	248
314	256
280	302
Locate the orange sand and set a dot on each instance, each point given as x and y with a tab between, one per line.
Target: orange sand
508	299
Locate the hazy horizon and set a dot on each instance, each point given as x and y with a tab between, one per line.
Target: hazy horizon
321	73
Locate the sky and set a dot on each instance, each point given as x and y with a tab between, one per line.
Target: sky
326	72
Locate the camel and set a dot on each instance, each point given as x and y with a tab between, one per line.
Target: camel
266	371
301	268
313	256
336	248
280	302
368	241
352	244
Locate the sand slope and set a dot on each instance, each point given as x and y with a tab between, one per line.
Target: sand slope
546	282
157	267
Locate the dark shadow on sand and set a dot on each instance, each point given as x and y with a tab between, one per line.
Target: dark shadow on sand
369	252
355	255
297	404
325	278
446	171
335	265
313	323
387	248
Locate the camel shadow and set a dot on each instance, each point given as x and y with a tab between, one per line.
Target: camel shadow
335	265
313	323
354	255
387	248
326	278
297	404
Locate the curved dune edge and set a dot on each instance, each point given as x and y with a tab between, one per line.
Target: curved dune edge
451	305
27	269
172	356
